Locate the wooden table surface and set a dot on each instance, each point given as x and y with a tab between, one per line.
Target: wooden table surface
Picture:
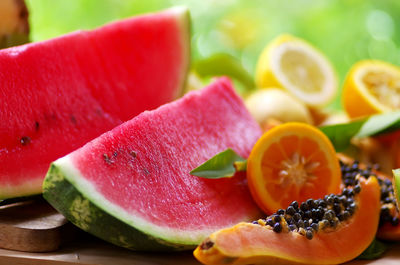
89	250
31	222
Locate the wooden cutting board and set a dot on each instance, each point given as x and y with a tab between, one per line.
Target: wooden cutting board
33	226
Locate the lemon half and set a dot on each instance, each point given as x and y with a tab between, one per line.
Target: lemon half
293	64
371	87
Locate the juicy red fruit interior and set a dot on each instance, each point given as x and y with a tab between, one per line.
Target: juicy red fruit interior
59	94
144	164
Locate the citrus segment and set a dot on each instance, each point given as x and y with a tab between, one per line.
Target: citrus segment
296	66
371	87
292	161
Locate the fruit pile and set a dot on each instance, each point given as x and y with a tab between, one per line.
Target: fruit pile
119	150
294	174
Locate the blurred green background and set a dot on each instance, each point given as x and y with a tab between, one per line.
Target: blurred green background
345	30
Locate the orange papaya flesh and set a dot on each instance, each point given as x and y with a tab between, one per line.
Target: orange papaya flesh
389	224
251	243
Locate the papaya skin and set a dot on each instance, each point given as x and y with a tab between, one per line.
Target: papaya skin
247	243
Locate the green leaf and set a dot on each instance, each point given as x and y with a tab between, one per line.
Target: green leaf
341	134
380	123
374	250
396	184
224	64
222	165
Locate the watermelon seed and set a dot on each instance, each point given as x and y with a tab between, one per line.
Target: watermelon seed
115	154
25	140
133	153
107	159
36	126
73	119
99	111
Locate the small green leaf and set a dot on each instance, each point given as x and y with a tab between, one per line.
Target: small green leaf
224	64
374	250
396	184
222	165
379	123
341	134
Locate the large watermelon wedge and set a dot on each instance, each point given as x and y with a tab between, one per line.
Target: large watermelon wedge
59	94
131	186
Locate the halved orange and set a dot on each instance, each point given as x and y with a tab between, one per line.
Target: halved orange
371	87
292	161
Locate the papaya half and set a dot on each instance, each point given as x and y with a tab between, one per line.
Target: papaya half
334	238
390	231
389	220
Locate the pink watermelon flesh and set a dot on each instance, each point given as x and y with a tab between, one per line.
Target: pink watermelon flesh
143	165
59	94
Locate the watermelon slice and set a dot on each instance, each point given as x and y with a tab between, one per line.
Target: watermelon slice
131	186
59	94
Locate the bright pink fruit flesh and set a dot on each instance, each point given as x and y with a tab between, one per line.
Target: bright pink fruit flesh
56	95
143	165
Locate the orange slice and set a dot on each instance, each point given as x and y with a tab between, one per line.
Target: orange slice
371	87
292	161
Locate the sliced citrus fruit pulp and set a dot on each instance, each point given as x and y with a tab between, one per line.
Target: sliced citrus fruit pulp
293	64
292	161
371	87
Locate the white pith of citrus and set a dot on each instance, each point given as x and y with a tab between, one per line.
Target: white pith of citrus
304	72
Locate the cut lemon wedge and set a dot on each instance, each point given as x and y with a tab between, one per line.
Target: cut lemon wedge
293	64
371	87
292	161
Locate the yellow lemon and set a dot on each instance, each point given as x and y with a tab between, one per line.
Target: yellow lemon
274	103
293	64
371	87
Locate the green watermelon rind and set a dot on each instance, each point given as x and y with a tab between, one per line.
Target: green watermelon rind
63	173
84	212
